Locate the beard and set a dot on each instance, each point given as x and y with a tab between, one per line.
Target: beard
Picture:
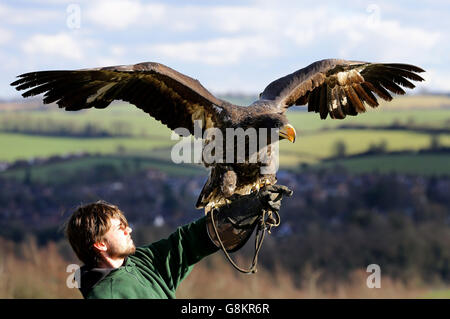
121	251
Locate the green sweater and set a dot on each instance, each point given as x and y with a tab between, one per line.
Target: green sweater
153	271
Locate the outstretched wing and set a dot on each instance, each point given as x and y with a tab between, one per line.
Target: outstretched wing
169	96
340	87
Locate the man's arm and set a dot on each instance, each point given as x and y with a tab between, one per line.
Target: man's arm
174	256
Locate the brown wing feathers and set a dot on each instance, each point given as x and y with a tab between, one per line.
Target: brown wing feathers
335	87
348	88
70	89
165	94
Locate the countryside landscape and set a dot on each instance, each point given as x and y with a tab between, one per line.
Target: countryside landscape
371	189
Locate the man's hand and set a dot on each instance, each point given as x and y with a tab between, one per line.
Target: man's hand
236	221
271	196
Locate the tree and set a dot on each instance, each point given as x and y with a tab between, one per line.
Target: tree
435	142
340	149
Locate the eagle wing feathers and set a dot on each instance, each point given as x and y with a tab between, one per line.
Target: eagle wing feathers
340	88
167	95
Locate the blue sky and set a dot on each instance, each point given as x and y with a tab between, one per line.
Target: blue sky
230	46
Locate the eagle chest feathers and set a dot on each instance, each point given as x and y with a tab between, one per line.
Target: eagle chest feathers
228	180
242	177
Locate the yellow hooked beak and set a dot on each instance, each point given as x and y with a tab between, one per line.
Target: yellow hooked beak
288	131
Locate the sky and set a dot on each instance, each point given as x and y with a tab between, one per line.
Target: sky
229	46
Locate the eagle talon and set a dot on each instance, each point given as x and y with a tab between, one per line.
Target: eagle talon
255	188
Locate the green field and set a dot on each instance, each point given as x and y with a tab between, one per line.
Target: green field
314	147
309	148
123	165
118	117
19	146
126	118
424	164
433	118
141	135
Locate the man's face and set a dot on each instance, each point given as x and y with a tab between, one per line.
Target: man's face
118	240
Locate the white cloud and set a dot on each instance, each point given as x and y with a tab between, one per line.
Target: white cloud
436	80
342	33
28	16
61	44
235	19
253	42
120	14
114	14
5	36
220	51
118	50
400	41
115	56
304	27
361	34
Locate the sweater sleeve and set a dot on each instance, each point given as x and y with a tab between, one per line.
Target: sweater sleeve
174	257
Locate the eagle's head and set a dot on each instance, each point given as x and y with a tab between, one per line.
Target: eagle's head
275	121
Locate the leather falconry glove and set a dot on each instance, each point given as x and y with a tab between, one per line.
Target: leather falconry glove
236	221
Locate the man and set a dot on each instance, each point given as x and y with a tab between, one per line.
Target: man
114	268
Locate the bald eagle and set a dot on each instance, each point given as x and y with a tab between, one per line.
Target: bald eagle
333	87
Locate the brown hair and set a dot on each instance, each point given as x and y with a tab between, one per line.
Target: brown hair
87	225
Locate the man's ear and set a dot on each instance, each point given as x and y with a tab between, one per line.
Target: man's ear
100	246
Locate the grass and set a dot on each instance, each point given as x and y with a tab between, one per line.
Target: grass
315	147
155	153
55	173
279	284
308	148
418	110
20	146
119	116
30	271
424	164
433	118
417	102
443	293
150	138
